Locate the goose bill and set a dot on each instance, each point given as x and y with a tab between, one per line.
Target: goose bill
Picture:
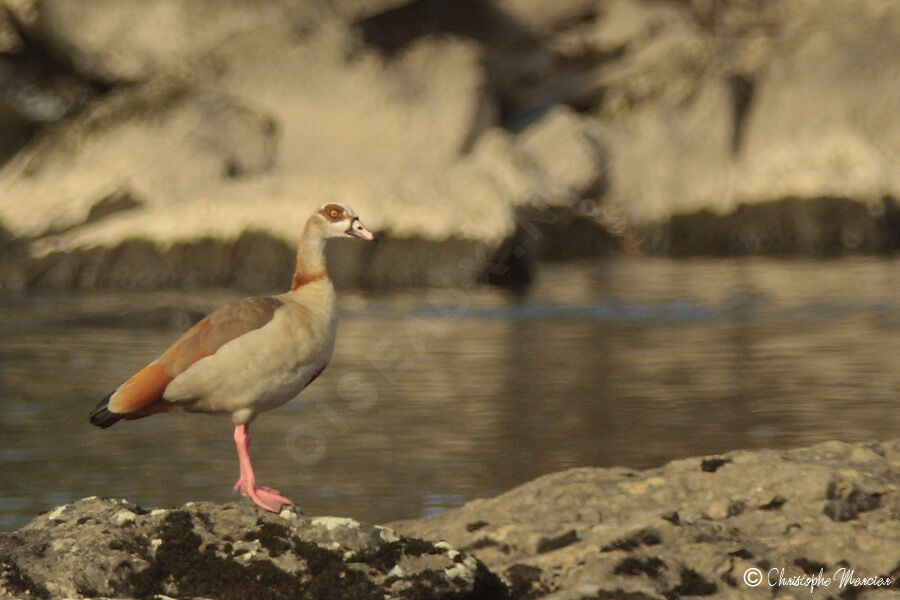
357	229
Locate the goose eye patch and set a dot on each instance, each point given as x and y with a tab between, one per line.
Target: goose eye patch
333	212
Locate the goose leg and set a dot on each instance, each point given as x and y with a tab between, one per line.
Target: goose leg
264	497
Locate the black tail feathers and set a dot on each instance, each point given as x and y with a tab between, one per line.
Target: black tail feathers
101	417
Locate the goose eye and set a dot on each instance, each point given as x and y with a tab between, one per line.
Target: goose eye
334	213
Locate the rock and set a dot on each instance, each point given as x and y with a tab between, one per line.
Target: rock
134	40
162	35
10	38
734	107
111	548
193	159
355	10
662	57
13	257
562	150
720	114
812	227
547	17
122	195
464	131
691	527
35	88
515	57
804	132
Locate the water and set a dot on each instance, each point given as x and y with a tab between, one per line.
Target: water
435	397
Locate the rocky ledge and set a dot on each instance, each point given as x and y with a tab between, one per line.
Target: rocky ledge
111	548
693	527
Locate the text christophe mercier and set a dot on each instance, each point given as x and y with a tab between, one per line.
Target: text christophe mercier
843	577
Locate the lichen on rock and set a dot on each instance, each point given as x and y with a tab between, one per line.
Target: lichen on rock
110	548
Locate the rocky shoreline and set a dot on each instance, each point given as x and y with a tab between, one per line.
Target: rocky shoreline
482	135
694	527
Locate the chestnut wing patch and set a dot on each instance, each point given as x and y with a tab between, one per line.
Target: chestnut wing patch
140	394
216	330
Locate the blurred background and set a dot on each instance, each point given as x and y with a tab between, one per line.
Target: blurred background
613	232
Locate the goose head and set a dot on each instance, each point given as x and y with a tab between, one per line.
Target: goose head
335	220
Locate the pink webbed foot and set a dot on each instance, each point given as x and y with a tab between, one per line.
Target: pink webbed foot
265	497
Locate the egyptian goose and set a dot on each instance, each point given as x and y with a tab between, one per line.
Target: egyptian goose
249	356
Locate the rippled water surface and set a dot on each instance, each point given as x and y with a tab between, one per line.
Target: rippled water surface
436	397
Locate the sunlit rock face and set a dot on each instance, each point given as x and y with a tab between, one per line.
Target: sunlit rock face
572	130
692	527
